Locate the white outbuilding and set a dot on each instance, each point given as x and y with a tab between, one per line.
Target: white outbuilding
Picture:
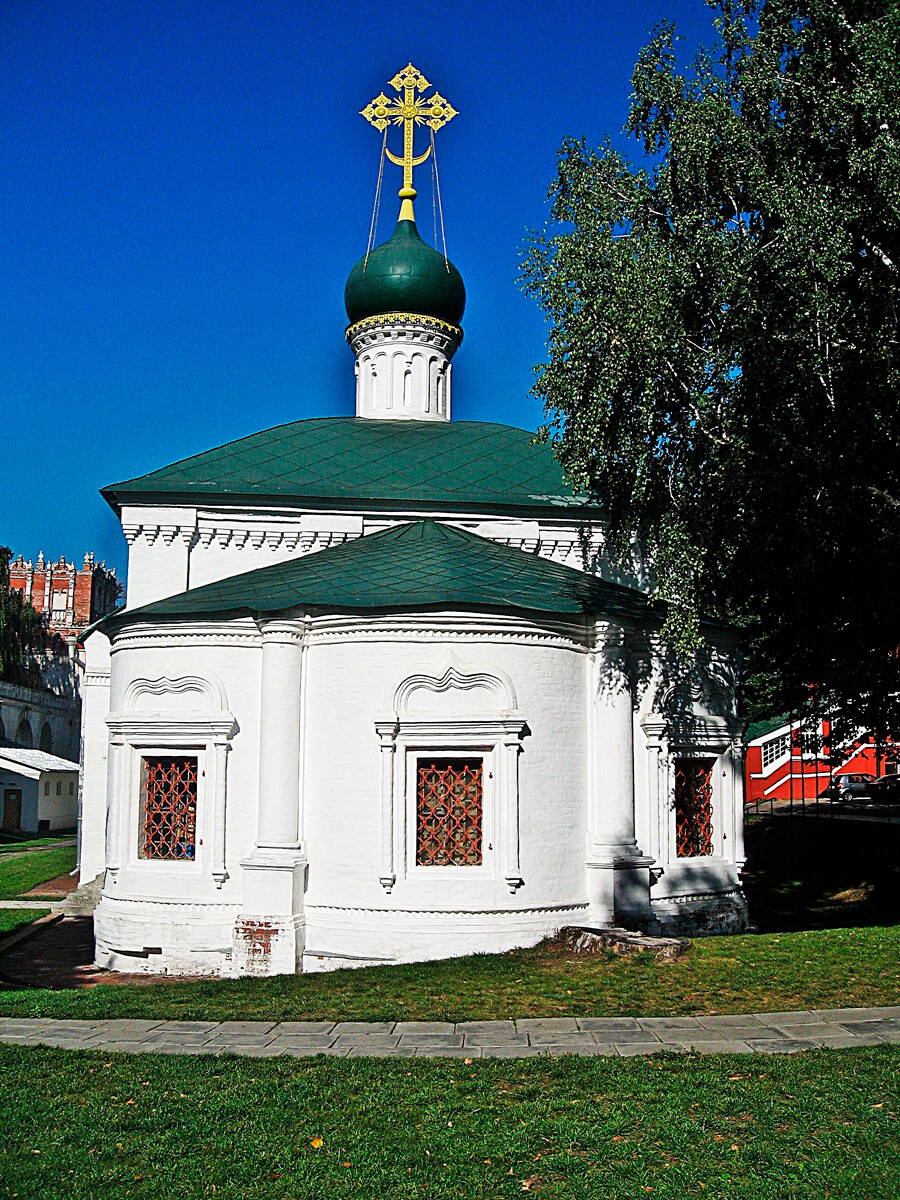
38	791
378	697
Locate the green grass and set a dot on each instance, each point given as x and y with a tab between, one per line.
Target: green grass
12	919
817	1125
14	847
18	875
752	973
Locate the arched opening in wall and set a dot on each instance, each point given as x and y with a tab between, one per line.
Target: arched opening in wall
2	731
46	742
24	736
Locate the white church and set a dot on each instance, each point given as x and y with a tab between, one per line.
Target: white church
378	697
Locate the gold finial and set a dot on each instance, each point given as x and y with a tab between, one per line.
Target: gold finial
408	110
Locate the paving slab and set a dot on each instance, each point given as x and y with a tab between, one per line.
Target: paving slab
367	1041
543	1025
499	1027
302	1028
623	1036
314	1043
424	1027
124	1028
365	1027
807	1031
236	1040
737	1021
575	1038
593	1023
782	1046
188	1026
660	1025
432	1041
226	1027
801	1017
497	1039
837	1041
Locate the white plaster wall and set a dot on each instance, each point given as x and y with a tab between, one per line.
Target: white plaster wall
29	790
172	549
62	810
684	890
95	741
349	914
172	915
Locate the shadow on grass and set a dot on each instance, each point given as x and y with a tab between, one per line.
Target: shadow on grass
820	871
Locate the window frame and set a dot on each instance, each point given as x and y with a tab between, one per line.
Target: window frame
143	758
486	868
205	732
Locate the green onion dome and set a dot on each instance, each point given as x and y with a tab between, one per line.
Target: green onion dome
405	275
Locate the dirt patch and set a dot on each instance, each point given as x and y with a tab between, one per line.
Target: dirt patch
62	956
55	889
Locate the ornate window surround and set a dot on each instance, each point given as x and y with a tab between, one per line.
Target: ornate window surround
204	732
691	736
494	734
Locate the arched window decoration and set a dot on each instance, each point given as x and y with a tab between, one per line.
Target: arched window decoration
24	736
46	742
450	777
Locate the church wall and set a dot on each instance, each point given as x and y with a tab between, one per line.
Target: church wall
183	695
94	743
690	713
172	549
435	912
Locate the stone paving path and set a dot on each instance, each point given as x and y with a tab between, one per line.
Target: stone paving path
761	1033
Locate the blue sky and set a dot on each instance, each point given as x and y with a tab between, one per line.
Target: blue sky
185	185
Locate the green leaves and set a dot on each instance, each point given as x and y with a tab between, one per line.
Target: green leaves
723	364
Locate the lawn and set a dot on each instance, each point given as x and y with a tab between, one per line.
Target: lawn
20	874
816	1125
12	919
751	973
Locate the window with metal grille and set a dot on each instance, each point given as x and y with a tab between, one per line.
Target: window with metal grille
693	807
168	808
449	811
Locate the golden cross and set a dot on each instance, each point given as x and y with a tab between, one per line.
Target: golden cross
408	110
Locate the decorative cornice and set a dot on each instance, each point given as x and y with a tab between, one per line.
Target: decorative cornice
399	318
475	914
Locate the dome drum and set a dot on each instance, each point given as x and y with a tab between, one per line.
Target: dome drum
403	367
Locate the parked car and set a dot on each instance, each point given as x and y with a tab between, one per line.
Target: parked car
886	790
851	788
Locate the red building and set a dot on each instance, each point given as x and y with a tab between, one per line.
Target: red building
68	598
785	760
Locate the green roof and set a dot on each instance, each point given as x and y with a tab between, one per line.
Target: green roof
768	725
405	275
358	462
424	564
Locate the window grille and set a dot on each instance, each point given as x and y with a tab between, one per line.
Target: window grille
775	749
449	812
168	808
693	807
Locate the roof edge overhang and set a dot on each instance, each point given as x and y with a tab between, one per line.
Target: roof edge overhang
114	623
572	508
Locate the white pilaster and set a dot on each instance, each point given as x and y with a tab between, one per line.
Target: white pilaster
618	876
269	933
